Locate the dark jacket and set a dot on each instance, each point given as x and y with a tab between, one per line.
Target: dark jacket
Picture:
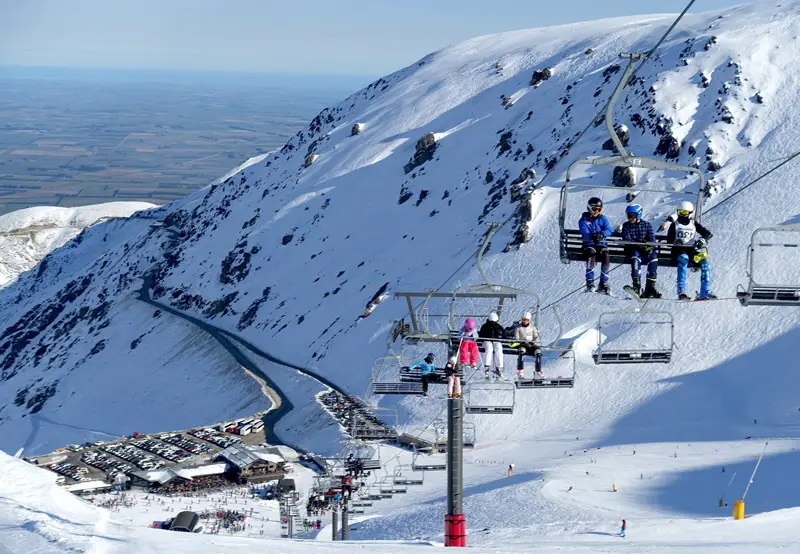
491	330
451	369
641	231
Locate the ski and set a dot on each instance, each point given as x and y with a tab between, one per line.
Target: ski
633	293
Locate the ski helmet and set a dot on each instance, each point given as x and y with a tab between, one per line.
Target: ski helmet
469	324
526	315
594	204
430	356
686	208
494	317
634	209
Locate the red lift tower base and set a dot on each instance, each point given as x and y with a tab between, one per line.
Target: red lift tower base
455	530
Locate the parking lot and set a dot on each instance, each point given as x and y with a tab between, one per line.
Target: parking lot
104	460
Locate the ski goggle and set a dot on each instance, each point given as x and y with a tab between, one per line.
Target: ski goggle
633	215
685	213
525	320
597	209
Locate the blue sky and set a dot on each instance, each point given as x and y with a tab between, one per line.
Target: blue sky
344	37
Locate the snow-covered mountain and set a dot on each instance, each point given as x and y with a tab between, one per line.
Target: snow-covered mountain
28	235
286	252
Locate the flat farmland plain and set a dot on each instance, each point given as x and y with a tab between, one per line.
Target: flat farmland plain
76	140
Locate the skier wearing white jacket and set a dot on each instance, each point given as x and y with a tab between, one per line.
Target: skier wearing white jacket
527	336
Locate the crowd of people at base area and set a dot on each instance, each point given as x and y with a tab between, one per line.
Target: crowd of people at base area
231	519
689	240
198	485
114	502
349	411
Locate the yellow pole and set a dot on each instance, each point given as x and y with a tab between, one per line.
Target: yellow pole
614	487
738	509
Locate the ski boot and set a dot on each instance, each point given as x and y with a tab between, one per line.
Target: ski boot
650	291
486	373
636	287
603	288
497	374
684	297
708	296
589	286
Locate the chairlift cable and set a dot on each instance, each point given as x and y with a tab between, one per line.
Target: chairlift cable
754	181
570	145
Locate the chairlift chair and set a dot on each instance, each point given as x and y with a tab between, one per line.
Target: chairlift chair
385	378
440	432
609	353
570	240
427	463
489	398
468	434
551	355
782	243
403	478
368	426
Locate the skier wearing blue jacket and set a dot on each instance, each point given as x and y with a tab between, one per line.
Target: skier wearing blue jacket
427	371
594	228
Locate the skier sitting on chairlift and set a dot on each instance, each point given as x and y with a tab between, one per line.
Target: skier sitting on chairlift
493	349
427	371
453	378
594	228
468	350
528	342
637	229
687	246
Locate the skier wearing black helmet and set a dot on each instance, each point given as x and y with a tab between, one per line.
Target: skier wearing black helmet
595	227
637	230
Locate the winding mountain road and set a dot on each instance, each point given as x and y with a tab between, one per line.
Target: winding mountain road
227	340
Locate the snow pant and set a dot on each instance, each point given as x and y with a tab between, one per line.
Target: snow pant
650	255
427	378
622	533
493	353
593	255
468	352
529	350
453	385
705	275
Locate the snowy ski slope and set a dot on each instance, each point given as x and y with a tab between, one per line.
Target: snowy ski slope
286	256
28	235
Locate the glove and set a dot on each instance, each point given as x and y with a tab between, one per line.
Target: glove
700	244
700	256
598	237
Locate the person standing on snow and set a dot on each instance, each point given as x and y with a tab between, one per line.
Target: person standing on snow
453	378
638	230
623	529
468	350
594	228
492	332
427	371
690	241
527	337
